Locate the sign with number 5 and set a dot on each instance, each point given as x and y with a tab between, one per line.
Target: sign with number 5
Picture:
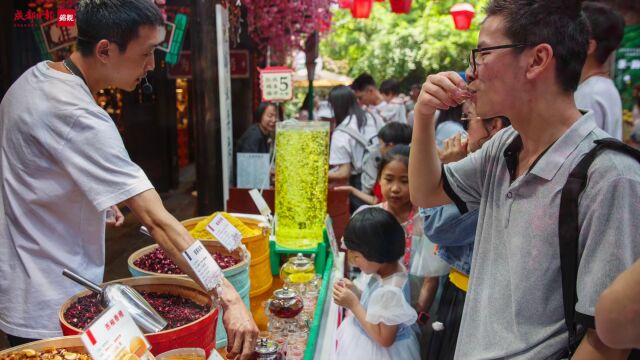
276	83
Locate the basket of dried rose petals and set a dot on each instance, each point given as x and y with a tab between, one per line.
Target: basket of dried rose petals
190	312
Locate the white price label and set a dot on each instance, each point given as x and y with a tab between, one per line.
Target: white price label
202	263
114	335
333	242
228	235
276	84
260	203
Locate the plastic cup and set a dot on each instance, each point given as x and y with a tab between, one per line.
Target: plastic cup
282	343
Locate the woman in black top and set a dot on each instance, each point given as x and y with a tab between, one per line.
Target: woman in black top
259	136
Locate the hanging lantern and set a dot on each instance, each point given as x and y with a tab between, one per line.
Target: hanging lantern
344	4
361	9
400	6
462	15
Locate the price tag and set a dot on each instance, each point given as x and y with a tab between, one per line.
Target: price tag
333	242
260	203
228	235
202	263
114	335
276	83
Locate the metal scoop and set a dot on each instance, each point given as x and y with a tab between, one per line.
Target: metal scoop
141	312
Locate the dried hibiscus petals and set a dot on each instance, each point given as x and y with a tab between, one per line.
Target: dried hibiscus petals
158	261
177	310
83	311
225	261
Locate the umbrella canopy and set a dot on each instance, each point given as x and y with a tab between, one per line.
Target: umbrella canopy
323	78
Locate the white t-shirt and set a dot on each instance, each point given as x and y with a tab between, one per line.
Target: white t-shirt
598	93
62	165
391	111
346	150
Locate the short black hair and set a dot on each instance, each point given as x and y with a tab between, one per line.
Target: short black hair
115	20
362	82
376	234
390	87
395	133
559	23
606	27
399	152
503	120
416	87
453	113
262	107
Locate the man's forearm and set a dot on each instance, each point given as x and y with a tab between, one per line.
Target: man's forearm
592	348
168	232
342	172
424	164
229	297
427	293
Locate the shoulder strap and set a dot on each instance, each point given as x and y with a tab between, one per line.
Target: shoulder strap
354	134
569	232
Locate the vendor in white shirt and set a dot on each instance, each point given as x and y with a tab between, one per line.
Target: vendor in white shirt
63	165
368	95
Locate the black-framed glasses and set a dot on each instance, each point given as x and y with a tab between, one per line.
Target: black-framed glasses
467	119
474	61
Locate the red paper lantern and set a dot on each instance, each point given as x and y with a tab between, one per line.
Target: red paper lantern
344	4
379	0
361	9
400	6
462	15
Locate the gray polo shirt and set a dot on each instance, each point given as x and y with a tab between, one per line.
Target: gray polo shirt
514	304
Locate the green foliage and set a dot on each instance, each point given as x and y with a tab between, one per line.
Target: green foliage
404	47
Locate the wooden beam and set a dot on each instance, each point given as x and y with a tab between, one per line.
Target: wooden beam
206	107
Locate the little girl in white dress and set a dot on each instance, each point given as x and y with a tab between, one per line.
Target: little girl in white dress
380	321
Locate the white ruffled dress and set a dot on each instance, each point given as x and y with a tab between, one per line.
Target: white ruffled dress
385	302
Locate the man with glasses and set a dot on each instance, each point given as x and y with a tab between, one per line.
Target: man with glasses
527	66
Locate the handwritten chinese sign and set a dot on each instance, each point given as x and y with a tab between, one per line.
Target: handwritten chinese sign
276	83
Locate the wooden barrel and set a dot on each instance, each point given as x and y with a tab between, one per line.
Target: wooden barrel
198	334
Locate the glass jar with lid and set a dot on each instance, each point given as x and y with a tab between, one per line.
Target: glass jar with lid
267	349
285	304
298	270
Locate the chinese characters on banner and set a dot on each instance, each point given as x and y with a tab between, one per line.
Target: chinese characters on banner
22	18
276	83
33	18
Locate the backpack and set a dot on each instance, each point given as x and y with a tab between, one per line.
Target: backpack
578	323
367	144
